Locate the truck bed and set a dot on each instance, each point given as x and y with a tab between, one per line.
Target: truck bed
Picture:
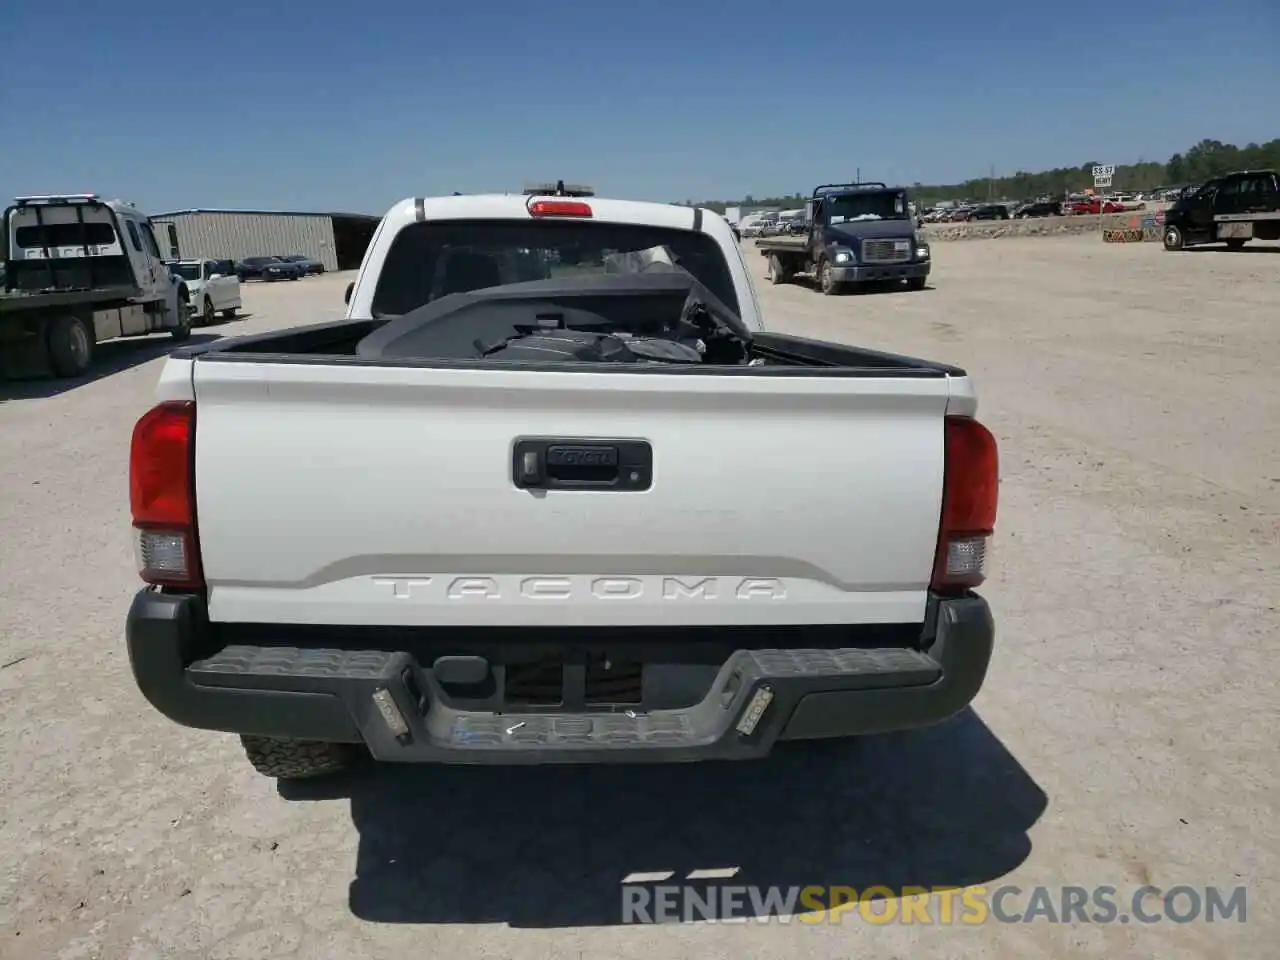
335	343
792	243
19	301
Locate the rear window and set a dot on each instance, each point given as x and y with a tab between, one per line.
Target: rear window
92	232
187	271
434	259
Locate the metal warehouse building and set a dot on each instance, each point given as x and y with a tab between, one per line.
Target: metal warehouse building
338	240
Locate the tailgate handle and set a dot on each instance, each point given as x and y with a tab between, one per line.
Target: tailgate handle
550	463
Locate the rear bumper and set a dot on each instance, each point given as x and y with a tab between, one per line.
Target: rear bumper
864	273
328	694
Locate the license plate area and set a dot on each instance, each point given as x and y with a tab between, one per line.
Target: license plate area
597	682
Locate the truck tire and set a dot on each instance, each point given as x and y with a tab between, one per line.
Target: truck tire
183	330
917	283
777	272
1173	239
297	759
1236	244
206	314
229	314
826	283
70	346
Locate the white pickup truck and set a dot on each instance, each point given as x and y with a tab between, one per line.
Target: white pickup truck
551	492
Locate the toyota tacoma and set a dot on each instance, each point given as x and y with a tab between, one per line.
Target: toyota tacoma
552	492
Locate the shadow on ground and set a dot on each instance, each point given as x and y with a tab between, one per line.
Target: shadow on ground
550	846
1224	250
111	357
864	289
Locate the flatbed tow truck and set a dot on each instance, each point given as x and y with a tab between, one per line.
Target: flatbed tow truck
79	270
858	233
1232	209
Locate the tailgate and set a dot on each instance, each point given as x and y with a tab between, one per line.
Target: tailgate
374	495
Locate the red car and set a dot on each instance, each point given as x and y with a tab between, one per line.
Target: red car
1094	206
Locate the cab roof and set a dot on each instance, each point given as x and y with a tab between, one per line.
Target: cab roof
507	206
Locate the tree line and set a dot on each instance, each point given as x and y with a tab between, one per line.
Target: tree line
1208	158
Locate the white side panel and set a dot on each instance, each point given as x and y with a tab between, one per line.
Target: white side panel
383	496
106	325
134	320
228	293
175	381
963	401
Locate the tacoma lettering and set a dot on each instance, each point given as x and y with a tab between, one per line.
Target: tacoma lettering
403	588
676	589
673	588
485	588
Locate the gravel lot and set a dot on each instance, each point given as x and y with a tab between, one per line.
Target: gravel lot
1123	736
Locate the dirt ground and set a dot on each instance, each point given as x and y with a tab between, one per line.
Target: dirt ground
1125	735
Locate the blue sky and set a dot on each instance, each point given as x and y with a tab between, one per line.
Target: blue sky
327	105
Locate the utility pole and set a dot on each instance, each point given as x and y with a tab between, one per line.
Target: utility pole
991	184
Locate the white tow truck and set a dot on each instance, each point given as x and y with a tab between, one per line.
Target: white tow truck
80	270
551	492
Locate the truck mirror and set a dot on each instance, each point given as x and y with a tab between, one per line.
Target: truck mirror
346	297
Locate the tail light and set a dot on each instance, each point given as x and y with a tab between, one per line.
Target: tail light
559	208
969	495
162	496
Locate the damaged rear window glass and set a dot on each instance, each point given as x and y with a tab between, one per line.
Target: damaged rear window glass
434	259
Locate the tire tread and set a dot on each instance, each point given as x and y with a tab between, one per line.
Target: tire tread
296	759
